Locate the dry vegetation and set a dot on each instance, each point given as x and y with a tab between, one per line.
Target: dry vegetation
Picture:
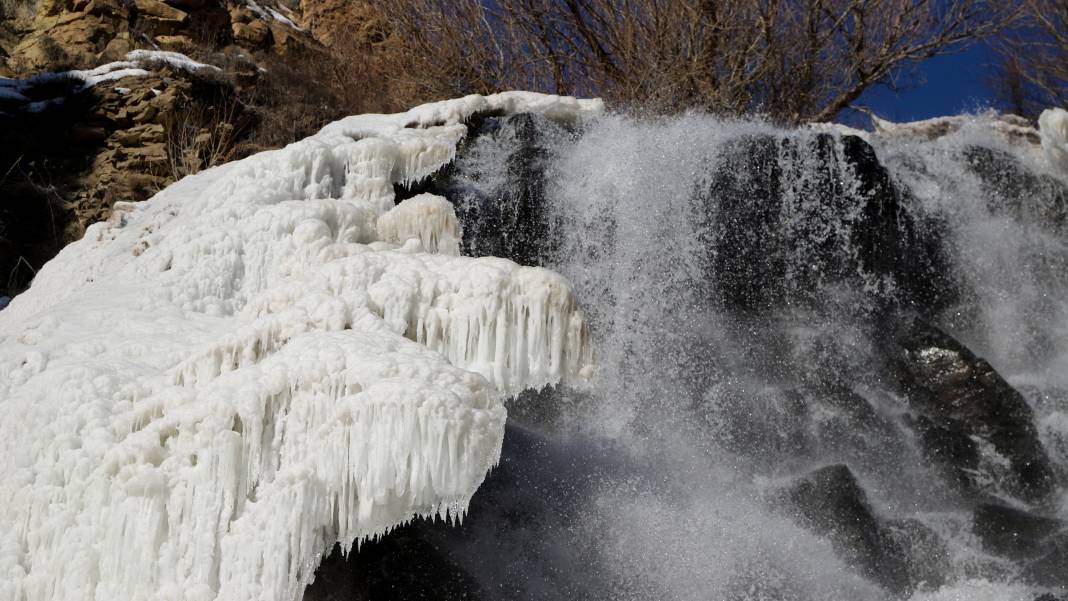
1034	70
794	60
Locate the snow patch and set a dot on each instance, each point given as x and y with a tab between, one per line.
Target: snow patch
136	64
428	218
208	391
1053	128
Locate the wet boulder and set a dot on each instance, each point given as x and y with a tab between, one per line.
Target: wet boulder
965	402
1011	532
1038	543
1051	568
1014	190
789	220
497	183
830	502
404	565
946	444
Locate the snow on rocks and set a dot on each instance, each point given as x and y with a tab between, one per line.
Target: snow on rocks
1011	128
427	217
207	392
1053	129
137	64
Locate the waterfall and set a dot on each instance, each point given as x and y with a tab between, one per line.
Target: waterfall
778	317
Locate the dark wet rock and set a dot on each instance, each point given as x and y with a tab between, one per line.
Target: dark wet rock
780	231
497	183
1013	533
926	554
830	502
947	444
768	427
401	566
1014	190
848	426
1038	543
1051	568
961	396
506	546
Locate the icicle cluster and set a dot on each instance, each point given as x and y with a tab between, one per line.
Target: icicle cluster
207	392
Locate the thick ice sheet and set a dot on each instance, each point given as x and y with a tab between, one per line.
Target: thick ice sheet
206	392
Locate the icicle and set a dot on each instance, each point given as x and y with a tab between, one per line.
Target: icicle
208	393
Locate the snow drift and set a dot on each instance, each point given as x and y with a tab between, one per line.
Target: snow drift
207	392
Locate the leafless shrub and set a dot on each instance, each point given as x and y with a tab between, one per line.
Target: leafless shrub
794	60
201	134
1034	70
16	9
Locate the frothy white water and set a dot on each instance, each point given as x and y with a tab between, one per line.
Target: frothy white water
719	404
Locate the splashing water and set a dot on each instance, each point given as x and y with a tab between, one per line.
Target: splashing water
740	281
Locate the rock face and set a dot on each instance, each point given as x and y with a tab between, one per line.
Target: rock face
125	139
331	21
1039	543
1015	191
63	34
498	187
962	398
830	502
761	217
73	149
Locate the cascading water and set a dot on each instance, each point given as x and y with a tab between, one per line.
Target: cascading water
787	404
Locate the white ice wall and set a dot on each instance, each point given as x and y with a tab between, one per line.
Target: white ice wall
205	393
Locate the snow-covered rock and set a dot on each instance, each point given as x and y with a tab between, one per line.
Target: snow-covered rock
208	391
1053	128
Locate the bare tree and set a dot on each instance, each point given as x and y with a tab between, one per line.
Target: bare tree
795	60
1034	69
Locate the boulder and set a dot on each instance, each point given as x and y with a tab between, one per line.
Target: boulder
1039	543
500	190
1014	190
770	197
402	565
1011	532
831	503
161	10
1051	568
962	396
254	34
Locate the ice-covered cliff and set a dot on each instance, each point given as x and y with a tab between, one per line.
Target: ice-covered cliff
207	392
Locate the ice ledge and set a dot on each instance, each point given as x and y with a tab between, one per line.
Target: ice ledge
208	391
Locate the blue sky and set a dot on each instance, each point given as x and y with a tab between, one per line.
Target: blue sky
944	85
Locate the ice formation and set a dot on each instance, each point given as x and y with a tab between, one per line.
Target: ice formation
1013	129
208	391
1053	127
134	65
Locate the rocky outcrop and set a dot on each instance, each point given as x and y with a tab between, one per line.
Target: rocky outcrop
498	187
86	147
1013	190
761	218
333	21
75	142
965	403
1039	543
896	554
64	34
